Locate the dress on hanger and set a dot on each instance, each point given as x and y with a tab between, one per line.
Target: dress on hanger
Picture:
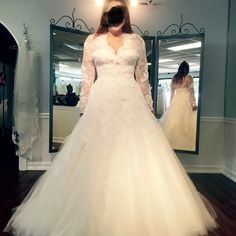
116	175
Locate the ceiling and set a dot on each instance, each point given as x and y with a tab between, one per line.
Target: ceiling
192	56
67	46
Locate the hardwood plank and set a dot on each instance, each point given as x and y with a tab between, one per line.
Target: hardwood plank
13	189
218	189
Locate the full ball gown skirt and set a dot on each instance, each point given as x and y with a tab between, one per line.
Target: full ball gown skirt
179	122
116	175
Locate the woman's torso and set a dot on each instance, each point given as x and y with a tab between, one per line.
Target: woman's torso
115	64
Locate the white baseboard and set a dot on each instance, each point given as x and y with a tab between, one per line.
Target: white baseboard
190	169
204	169
230	174
44	116
58	140
212	170
22	164
231	121
212	119
31	165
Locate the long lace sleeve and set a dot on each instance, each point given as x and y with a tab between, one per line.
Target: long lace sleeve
141	74
88	74
191	91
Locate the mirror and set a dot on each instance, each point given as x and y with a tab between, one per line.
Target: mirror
65	70
175	99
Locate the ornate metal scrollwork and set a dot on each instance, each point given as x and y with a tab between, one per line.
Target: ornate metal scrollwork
73	23
182	29
144	33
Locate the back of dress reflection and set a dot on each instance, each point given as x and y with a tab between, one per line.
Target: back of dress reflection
180	119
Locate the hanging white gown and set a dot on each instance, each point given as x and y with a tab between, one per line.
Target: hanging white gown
179	121
25	108
116	175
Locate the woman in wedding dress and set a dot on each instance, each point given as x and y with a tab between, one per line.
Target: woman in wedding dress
179	121
116	175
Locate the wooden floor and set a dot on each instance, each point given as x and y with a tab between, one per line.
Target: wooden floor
218	189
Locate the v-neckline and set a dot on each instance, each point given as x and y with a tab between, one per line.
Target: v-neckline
115	52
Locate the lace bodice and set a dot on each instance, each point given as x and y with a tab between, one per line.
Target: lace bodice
101	61
187	83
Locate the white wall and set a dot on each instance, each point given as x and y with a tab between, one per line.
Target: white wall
37	15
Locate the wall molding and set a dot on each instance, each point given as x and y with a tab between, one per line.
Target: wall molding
43	115
203	118
58	140
206	119
230	174
204	169
33	165
208	169
231	121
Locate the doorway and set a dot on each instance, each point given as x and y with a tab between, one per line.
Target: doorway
8	55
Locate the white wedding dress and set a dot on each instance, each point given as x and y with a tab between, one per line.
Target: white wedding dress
116	175
179	121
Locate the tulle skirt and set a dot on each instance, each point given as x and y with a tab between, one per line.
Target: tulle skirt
116	175
179	122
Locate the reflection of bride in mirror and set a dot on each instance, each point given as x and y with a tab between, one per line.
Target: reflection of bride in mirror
179	120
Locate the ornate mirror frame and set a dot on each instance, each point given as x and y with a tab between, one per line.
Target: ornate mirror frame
183	31
69	24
